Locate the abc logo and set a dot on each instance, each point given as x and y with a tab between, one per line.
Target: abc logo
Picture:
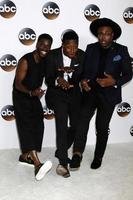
128	15
7	9
51	10
8	62
7	113
92	12
48	113
131	130
27	36
123	109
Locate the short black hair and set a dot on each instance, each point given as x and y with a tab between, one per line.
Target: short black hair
70	35
45	36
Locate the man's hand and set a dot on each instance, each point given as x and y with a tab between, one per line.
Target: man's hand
85	86
107	81
38	92
64	84
66	69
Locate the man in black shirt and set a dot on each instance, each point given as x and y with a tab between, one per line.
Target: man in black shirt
27	106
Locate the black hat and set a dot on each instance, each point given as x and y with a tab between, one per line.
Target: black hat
105	22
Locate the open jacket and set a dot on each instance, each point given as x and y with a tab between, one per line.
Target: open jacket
53	62
118	64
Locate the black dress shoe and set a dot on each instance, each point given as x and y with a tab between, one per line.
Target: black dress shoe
75	162
96	163
62	171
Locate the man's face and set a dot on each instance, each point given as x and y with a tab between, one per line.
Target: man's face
70	48
43	46
105	36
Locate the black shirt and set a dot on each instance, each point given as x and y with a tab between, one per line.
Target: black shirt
102	61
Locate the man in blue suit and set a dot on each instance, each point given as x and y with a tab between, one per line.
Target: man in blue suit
107	67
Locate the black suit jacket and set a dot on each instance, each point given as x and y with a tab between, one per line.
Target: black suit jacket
118	64
55	60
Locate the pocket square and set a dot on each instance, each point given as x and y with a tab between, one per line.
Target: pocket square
117	58
76	65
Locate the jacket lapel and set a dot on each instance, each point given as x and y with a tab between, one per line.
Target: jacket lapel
109	60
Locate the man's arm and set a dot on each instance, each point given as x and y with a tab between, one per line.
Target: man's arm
126	74
20	75
21	72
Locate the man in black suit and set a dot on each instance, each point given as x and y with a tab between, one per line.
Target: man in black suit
107	67
63	73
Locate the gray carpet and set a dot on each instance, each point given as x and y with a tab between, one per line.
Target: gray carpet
113	181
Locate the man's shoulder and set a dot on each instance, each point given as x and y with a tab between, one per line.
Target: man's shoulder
92	47
116	47
95	44
27	55
55	51
119	45
81	52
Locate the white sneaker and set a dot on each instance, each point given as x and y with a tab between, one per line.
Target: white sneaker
42	169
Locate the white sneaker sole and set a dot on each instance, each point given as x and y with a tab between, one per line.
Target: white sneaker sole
26	164
46	167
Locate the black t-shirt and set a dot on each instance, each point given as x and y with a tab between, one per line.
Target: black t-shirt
102	62
101	68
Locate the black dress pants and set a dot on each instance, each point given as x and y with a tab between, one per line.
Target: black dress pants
66	110
29	120
91	103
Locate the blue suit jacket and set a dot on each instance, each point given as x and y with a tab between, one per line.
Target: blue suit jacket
118	64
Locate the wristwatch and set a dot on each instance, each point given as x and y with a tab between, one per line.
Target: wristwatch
115	86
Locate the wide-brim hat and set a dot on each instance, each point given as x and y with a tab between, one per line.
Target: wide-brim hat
96	24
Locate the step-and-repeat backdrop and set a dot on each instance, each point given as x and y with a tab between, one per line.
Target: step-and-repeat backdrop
21	22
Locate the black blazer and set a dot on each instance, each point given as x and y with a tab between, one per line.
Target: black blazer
118	64
54	60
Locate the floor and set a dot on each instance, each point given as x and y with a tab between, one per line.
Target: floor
113	181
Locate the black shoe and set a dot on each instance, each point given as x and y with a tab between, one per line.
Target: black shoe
28	161
75	162
62	171
96	163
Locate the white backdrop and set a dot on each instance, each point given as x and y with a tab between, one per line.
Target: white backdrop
29	14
